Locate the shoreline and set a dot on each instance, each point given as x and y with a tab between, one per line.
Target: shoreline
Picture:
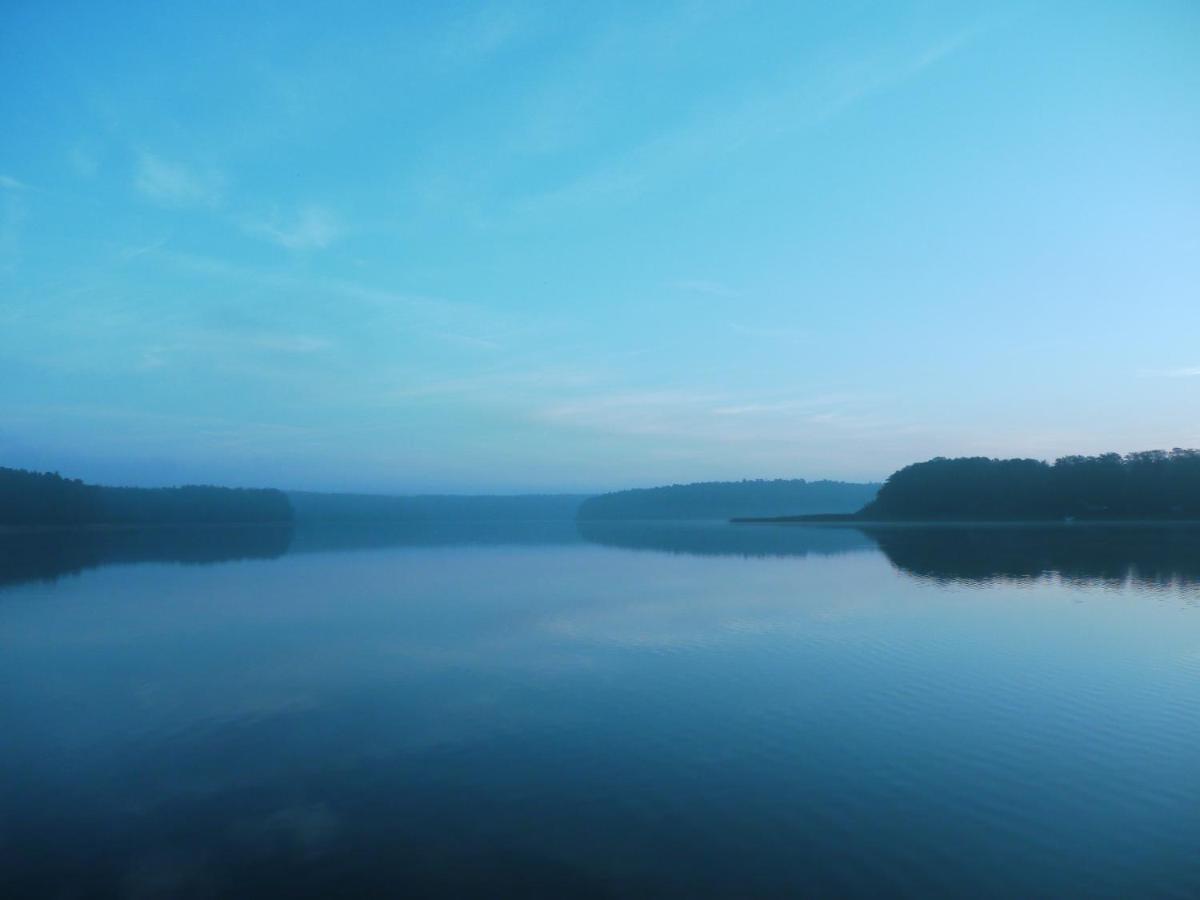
851	520
133	526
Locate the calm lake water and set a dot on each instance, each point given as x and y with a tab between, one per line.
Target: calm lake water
609	710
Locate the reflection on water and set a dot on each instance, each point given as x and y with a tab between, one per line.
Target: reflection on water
51	554
323	537
664	710
48	555
716	538
1146	554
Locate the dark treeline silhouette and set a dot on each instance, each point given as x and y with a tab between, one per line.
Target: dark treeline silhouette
1155	484
317	507
730	499
1146	554
34	499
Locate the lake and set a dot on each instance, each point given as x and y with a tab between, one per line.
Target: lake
601	710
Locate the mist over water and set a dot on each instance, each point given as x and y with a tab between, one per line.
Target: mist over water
603	710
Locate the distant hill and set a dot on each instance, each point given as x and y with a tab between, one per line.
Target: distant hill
47	499
317	507
730	499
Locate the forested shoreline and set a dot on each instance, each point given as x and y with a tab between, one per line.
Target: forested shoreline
46	499
1151	485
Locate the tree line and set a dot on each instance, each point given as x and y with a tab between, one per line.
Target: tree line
1152	484
48	499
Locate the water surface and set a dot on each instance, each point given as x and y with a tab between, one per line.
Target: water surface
614	710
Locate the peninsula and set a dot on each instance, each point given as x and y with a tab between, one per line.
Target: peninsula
1153	484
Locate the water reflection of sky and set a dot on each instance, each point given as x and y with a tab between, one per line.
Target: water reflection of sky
594	711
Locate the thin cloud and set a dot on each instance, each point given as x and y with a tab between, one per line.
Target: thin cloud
173	184
772	333
189	344
501	383
12	216
8	183
1179	372
82	162
313	228
810	95
469	340
709	288
379	312
887	73
483	34
133	251
432	312
717	417
292	343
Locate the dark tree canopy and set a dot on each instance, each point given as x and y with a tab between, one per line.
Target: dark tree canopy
1152	484
48	499
730	499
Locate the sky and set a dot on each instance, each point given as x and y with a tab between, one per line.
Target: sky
444	247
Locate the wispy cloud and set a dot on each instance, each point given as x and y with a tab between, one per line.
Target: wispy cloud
174	184
433	311
187	345
772	333
378	316
486	32
874	75
152	358
82	161
8	183
291	343
133	251
500	382
312	228
811	93
1179	372
704	286
12	215
469	340
714	416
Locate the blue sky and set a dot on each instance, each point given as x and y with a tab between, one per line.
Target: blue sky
515	246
